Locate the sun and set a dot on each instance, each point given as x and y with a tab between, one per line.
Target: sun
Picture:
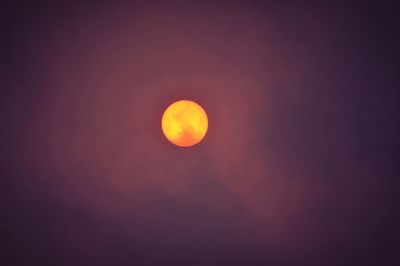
184	123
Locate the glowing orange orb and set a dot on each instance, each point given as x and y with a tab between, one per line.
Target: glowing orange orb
184	123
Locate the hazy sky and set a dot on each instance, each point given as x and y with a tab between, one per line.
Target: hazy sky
299	166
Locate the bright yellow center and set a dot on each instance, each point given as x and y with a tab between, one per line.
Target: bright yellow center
184	123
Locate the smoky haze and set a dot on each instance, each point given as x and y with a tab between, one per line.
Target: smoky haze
297	168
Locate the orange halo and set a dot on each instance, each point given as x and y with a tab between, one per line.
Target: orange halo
184	123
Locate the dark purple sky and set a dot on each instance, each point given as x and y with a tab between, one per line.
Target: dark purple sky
299	166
